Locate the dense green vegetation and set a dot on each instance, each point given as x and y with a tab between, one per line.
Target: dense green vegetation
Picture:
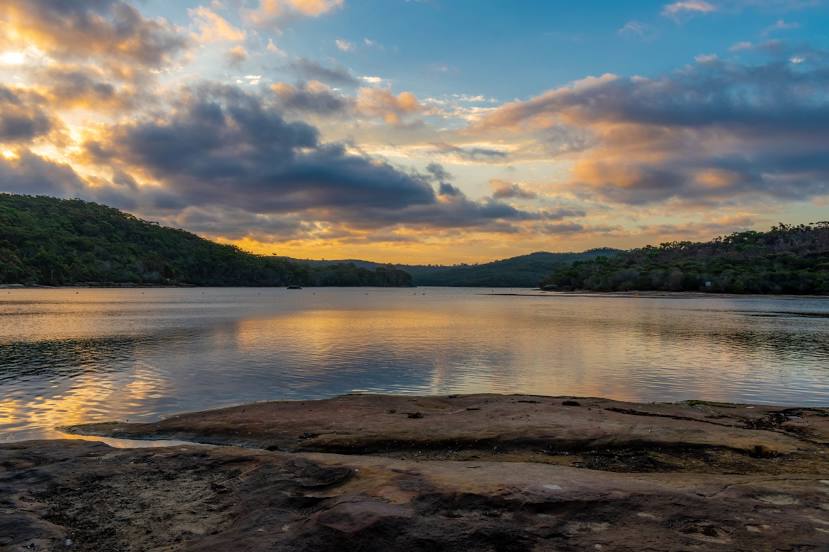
50	241
786	259
523	271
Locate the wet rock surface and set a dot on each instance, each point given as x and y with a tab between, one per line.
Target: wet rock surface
480	472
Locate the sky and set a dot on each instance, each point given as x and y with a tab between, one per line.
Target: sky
422	131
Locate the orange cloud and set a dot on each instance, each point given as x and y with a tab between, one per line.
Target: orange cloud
270	12
111	31
380	102
212	27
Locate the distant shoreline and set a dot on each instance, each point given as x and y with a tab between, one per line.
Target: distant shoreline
538	291
658	294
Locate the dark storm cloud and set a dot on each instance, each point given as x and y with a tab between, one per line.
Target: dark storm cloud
221	147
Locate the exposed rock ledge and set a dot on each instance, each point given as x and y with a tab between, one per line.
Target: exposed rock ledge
478	472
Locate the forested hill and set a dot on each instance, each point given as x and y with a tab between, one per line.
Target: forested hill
522	271
50	241
786	259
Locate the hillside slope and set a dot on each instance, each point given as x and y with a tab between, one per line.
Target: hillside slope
521	271
786	259
52	241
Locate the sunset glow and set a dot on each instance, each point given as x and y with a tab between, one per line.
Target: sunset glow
394	130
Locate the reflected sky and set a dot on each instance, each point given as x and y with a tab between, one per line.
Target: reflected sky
71	356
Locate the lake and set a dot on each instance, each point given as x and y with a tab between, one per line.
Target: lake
69	356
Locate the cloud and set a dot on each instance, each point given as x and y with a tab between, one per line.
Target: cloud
212	27
23	116
235	224
274	49
221	144
742	45
502	189
682	8
111	31
344	45
780	25
373	80
236	56
637	29
381	103
28	173
273	13
311	70
712	132
73	86
224	149
311	97
100	55
471	153
563	228
703	229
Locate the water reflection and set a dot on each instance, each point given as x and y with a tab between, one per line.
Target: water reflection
68	357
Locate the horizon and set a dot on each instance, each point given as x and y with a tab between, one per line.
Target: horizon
331	129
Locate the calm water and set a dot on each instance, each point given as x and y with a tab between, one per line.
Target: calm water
69	356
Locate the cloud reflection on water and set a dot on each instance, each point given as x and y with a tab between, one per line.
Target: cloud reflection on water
114	354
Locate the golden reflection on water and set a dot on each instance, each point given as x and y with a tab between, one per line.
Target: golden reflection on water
91	397
75	356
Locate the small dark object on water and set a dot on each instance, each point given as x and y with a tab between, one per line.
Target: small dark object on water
529	402
294	287
414	415
571	403
391	411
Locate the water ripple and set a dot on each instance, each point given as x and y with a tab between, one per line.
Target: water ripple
73	356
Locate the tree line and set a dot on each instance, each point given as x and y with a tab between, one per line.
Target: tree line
786	259
49	241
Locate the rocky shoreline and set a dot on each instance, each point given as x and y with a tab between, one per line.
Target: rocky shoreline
472	472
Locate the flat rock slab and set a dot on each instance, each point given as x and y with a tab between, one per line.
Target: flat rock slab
80	495
592	433
479	472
